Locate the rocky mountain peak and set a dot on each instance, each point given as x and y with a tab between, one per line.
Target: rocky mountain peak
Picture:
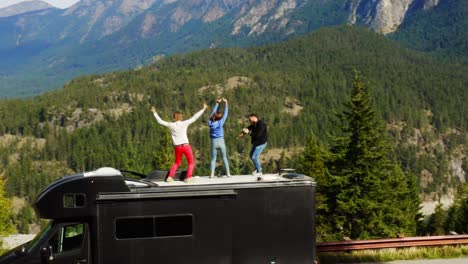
24	7
108	16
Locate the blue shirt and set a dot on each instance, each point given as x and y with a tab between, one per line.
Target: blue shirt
216	127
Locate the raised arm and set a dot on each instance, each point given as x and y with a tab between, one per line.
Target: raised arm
215	108
197	115
158	119
226	111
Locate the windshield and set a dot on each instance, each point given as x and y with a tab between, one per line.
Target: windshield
31	244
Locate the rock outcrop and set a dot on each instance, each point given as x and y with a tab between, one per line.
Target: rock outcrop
385	16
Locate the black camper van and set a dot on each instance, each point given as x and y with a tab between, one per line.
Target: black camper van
102	217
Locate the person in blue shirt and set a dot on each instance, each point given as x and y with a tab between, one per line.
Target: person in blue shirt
216	124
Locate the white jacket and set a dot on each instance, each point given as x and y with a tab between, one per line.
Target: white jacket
179	128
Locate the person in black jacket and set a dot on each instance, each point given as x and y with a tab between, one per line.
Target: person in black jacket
259	134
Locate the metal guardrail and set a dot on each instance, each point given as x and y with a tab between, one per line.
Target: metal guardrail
392	243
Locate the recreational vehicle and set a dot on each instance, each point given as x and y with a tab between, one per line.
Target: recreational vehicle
106	217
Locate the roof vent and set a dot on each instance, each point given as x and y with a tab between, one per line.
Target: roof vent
293	176
104	171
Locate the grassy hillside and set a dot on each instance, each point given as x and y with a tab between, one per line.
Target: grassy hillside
104	120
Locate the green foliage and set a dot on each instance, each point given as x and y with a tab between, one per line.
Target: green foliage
457	215
312	163
164	155
25	217
105	120
437	221
370	196
389	255
6	214
440	30
454	219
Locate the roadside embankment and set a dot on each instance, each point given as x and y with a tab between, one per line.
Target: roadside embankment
16	240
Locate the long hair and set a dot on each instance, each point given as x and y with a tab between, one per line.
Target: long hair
177	116
216	116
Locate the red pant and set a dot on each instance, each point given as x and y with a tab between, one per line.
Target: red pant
187	151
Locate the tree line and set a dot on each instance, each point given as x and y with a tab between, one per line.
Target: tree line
104	120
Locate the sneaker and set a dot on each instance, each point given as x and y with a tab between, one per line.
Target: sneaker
259	175
188	180
212	176
169	179
256	173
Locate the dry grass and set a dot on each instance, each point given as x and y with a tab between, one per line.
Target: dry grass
384	255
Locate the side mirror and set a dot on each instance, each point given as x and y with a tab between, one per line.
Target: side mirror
47	254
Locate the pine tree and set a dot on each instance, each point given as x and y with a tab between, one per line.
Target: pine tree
24	218
312	163
369	194
6	214
164	156
457	218
437	221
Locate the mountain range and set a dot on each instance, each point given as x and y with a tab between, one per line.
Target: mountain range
295	86
24	7
43	49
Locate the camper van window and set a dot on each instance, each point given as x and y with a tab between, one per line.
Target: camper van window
156	226
134	227
74	200
180	225
67	238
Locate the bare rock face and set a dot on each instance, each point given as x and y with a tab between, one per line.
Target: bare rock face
385	16
128	7
252	16
266	14
430	4
389	15
255	17
96	12
95	19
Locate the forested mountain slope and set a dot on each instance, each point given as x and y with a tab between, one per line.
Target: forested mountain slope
296	86
429	30
42	50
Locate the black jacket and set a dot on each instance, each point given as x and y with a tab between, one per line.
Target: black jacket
258	132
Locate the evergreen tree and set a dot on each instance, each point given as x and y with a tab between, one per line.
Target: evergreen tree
6	214
25	217
457	215
369	194
415	203
437	221
164	156
312	163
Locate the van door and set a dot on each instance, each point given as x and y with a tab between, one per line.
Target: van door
68	245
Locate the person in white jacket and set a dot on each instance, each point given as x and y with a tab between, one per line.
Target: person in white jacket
180	140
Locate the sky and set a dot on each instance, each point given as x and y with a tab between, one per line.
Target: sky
56	3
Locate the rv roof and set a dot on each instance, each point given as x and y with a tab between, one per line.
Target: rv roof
202	186
205	180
